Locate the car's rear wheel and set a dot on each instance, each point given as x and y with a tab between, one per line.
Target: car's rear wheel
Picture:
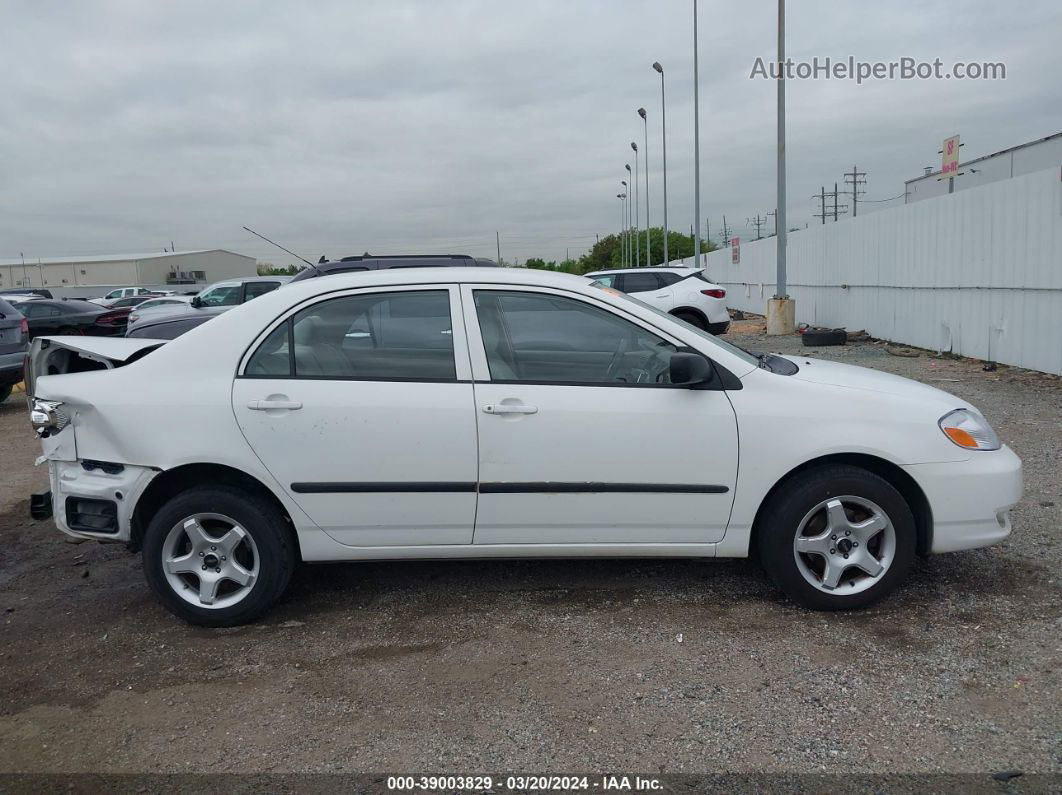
837	538
692	318
217	556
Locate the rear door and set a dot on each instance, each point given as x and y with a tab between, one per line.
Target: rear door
361	407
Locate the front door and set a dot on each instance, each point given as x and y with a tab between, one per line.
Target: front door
361	407
582	438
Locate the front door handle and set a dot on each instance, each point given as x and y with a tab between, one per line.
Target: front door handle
269	405
510	408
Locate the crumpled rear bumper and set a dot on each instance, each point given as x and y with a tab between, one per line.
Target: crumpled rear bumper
77	484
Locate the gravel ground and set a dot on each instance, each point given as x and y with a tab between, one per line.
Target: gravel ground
626	666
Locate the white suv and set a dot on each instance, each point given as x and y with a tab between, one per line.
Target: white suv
685	293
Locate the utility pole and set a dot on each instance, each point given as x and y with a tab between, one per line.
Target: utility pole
837	208
857	179
757	222
775	214
726	233
822	203
696	144
497	239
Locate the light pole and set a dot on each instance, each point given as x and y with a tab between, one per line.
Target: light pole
623	223
781	310
663	140
637	211
632	227
627	225
648	225
696	150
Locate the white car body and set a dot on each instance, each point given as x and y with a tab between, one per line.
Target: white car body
684	292
468	466
163	304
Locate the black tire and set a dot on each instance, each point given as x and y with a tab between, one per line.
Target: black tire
820	337
692	318
5	391
274	542
68	331
781	516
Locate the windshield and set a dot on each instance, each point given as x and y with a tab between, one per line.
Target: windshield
741	353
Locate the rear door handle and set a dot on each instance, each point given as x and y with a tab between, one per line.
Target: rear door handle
267	405
510	408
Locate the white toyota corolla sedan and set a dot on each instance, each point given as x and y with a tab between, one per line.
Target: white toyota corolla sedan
497	413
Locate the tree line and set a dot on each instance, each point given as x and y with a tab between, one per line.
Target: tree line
608	252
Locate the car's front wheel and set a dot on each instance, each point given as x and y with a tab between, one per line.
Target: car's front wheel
218	556
837	538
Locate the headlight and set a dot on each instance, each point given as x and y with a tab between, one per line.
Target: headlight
969	430
47	417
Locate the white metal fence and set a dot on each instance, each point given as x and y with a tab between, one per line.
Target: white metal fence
977	273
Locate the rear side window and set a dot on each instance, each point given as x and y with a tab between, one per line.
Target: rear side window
404	336
638	282
668	279
255	289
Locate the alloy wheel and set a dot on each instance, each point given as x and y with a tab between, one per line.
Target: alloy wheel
210	561
844	545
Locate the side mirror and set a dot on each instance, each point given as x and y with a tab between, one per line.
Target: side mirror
196	303
691	370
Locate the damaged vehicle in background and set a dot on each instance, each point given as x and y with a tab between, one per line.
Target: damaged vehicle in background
14	343
497	413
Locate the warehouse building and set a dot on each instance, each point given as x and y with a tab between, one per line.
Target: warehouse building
1007	163
181	271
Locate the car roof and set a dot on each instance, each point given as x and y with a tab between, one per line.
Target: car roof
653	269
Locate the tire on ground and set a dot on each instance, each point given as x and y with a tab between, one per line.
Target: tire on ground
780	517
819	337
258	517
692	318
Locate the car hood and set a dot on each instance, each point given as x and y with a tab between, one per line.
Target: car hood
820	371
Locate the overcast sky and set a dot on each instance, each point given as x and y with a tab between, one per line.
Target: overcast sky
393	127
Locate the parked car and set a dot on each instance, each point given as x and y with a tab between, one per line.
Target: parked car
371	263
429	414
686	293
237	291
71	317
162	303
121	292
222	296
14	343
40	292
161	325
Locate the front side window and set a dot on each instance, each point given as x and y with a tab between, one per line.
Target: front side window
227	295
539	338
605	279
404	336
255	289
